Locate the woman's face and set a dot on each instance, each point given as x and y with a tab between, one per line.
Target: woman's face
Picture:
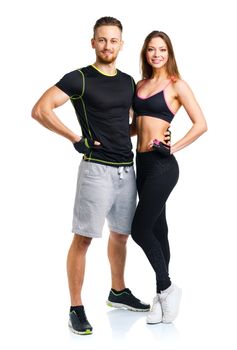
157	53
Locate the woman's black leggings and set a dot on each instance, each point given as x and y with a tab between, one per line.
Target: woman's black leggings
156	177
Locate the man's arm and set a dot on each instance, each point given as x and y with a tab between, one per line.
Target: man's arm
43	112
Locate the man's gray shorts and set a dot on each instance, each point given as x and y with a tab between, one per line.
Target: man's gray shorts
104	192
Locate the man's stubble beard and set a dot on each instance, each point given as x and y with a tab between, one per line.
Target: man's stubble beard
101	60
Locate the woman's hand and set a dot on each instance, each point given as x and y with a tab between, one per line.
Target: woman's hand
166	140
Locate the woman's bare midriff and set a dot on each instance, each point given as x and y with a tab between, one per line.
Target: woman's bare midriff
149	128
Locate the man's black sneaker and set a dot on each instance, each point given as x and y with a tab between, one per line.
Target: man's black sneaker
125	299
78	322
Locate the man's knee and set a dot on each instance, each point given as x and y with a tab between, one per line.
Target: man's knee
81	242
118	238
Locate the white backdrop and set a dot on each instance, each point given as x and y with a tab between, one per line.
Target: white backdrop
42	40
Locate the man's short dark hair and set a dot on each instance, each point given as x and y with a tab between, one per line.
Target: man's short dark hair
107	21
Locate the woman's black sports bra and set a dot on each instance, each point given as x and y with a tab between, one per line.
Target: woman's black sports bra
153	106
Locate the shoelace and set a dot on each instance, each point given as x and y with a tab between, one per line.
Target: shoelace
131	295
164	305
155	301
82	316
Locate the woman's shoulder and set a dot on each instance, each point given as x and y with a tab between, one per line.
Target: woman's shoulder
140	83
180	85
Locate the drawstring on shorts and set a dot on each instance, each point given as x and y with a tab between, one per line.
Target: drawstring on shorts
121	170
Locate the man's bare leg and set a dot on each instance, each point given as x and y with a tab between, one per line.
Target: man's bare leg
120	297
76	262
117	257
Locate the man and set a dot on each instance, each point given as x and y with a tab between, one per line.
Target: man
102	97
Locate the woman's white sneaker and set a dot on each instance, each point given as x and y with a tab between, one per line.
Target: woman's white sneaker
170	301
155	315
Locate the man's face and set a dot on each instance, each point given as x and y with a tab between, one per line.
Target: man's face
107	43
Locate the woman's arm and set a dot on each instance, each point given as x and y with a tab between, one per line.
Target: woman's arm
188	101
132	125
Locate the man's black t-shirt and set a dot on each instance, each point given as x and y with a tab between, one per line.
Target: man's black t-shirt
102	104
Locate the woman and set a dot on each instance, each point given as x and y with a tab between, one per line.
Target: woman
159	96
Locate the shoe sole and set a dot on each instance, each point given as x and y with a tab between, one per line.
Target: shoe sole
151	323
124	306
86	332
